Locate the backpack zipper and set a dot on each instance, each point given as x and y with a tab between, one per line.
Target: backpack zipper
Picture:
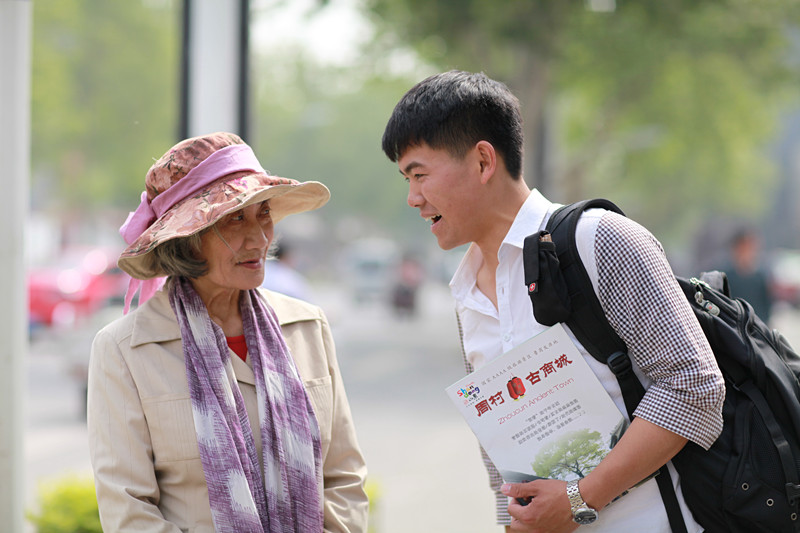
710	307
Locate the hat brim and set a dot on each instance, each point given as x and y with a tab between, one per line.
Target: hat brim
203	210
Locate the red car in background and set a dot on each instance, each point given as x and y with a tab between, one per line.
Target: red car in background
76	285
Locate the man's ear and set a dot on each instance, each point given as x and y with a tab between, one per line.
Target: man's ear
487	158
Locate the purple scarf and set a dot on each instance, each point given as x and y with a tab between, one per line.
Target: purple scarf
285	497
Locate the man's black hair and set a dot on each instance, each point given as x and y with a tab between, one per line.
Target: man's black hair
453	111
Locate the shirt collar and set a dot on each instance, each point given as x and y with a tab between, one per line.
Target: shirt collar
467	273
155	321
531	217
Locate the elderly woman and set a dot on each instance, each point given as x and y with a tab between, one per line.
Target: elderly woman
215	406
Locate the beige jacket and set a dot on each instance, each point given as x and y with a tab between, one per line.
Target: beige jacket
142	439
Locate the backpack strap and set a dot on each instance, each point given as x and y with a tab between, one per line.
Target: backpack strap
586	318
587	321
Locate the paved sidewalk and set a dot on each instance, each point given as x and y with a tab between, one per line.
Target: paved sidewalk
420	452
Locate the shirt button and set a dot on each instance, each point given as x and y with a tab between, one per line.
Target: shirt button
506	338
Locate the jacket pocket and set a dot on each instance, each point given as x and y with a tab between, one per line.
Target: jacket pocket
320	392
171	425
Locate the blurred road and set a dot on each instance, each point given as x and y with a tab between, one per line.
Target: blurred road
419	450
420	454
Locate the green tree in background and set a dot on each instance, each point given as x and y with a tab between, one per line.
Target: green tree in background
665	106
325	123
105	103
104	100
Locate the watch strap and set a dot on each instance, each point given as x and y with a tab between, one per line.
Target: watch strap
582	513
574	495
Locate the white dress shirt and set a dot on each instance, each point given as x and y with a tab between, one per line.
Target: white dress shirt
628	269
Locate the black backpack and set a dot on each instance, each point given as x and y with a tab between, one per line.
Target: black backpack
748	481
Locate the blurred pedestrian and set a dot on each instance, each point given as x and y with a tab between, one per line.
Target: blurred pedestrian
215	406
457	139
281	275
747	277
404	293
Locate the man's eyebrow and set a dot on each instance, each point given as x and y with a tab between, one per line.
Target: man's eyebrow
409	167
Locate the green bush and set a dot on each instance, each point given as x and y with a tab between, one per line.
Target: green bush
67	504
373	490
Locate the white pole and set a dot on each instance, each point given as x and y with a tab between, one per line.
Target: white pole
15	69
216	53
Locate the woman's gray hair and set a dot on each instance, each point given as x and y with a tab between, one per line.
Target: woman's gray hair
180	257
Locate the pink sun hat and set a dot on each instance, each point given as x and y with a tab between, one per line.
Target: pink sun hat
196	183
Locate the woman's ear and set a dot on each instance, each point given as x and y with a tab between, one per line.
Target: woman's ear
487	158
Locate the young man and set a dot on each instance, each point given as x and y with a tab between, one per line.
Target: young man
457	138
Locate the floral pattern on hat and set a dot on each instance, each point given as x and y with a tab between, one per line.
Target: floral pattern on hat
183	157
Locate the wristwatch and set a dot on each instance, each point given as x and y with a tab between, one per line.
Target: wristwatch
581	512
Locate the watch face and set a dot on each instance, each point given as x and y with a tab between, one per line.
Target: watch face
585	515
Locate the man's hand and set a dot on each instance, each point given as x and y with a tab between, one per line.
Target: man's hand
642	450
548	511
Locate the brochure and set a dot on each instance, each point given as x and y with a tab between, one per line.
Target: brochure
539	411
